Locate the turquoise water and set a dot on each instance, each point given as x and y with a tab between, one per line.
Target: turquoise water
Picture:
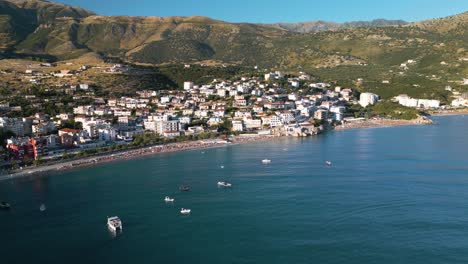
392	195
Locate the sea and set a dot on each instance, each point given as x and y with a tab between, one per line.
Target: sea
391	195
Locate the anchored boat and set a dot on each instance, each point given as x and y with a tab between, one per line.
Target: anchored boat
168	199
224	184
185	211
114	223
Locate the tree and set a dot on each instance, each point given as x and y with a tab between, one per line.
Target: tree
72	124
225	126
4	135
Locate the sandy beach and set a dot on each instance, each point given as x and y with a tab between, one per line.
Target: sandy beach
374	123
184	146
450	112
131	154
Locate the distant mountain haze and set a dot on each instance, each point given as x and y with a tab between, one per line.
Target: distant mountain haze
316	26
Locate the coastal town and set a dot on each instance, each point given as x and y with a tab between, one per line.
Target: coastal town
267	104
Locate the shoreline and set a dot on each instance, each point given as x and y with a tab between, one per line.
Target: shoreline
187	146
381	123
132	154
449	112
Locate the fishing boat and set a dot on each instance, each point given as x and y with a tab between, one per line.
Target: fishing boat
266	161
168	199
224	184
184	188
114	223
5	206
185	211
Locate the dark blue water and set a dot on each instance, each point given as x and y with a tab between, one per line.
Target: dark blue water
392	195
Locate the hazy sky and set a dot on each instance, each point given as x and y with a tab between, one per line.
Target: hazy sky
268	11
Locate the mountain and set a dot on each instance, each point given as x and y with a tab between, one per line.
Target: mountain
452	24
40	27
317	26
56	31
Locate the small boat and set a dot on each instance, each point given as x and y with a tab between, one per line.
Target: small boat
266	161
42	208
222	167
114	223
224	184
5	206
185	211
168	199
184	188
328	163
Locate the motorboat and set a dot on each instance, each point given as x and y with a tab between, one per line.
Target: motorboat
114	223
5	206
168	199
42	208
184	188
266	161
328	163
224	184
185	211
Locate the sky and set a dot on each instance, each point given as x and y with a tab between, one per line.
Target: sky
271	11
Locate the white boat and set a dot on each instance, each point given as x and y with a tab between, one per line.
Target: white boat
42	208
185	211
114	223
266	161
168	199
225	184
328	163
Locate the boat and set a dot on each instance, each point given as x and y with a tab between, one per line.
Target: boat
224	184
184	188
5	206
185	211
266	161
168	199
328	163
42	208
114	223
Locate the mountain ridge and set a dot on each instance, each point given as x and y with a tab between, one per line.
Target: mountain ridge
60	32
321	25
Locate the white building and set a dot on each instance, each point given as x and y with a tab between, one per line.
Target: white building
107	133
368	99
337	112
14	125
321	114
188	85
407	101
459	102
237	125
162	126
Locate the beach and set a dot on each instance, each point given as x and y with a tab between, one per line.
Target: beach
189	145
185	146
374	123
449	112
132	154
